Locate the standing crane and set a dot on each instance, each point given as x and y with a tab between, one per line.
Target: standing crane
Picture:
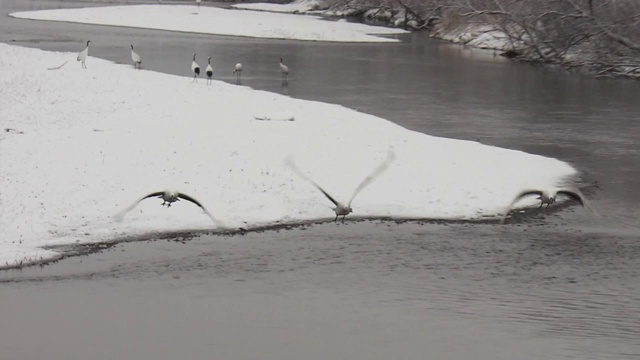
82	55
284	69
209	70
137	60
238	72
195	68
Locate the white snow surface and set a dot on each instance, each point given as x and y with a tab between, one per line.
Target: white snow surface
213	20
300	6
82	145
477	35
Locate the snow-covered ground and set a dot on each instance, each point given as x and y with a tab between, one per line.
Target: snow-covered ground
299	6
477	35
78	146
472	34
213	20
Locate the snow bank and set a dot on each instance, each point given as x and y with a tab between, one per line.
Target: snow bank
85	144
212	20
300	6
476	35
472	34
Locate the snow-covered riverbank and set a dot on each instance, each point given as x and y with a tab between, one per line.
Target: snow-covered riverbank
472	34
80	145
214	20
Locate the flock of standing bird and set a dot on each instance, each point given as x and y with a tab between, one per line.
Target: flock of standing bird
547	197
195	68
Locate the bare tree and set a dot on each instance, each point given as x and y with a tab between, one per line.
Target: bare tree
603	36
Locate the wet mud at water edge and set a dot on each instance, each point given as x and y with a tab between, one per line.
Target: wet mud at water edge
516	216
370	290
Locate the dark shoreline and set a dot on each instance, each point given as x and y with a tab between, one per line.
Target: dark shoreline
527	216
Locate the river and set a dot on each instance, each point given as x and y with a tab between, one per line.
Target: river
549	284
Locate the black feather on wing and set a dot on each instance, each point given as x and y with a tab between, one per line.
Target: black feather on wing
189	198
574	195
289	162
526	193
517	198
577	194
327	195
124	212
157	193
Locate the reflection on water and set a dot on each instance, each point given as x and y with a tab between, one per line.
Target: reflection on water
549	285
578	298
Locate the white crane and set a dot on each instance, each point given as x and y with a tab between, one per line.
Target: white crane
195	68
137	60
168	197
342	209
82	55
549	197
209	70
198	2
284	69
238	72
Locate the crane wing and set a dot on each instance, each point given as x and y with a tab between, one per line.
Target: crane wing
517	198
191	199
577	195
374	174
289	162
119	216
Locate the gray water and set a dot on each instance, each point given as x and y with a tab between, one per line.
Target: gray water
552	284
